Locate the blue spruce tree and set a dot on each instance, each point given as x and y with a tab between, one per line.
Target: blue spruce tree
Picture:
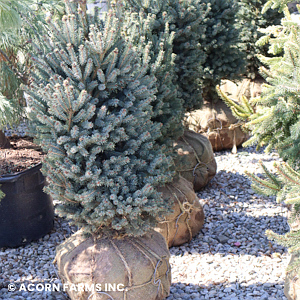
251	20
148	24
224	58
185	21
91	110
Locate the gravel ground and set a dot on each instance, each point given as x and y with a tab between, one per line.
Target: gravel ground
229	259
20	130
232	258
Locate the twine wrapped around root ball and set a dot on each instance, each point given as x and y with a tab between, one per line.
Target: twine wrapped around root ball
130	268
292	280
187	218
195	161
217	123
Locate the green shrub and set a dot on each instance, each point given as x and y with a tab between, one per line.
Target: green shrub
205	43
184	19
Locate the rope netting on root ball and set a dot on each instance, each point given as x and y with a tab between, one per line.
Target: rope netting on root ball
217	123
135	268
195	161
187	218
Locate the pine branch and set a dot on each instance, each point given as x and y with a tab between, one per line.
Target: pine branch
278	168
263	182
13	67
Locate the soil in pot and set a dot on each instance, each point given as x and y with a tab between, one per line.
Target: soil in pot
22	155
26	212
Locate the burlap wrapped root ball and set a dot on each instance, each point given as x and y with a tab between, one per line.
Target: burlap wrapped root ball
187	218
217	123
195	161
247	87
131	268
292	280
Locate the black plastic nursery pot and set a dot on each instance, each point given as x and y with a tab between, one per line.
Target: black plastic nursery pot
26	212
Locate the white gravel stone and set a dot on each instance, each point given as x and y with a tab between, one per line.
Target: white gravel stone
213	263
20	130
230	258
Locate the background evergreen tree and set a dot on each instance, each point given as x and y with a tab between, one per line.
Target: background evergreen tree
220	43
140	28
274	117
250	20
184	19
91	112
275	122
188	19
20	24
205	44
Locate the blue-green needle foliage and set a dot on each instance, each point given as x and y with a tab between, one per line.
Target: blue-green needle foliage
185	20
205	44
224	58
91	109
149	25
250	21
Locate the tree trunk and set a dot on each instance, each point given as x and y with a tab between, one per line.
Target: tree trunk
4	142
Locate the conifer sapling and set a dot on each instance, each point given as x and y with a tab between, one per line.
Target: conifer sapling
224	58
149	25
185	19
91	111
